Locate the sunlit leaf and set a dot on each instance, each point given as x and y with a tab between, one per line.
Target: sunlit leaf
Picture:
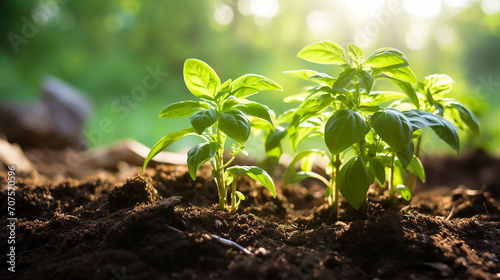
404	74
183	109
365	80
250	84
256	173
257	110
289	176
387	58
324	52
404	191
355	53
165	142
416	167
201	79
465	115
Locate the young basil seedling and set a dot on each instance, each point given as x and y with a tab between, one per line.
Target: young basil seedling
441	114
349	115
223	111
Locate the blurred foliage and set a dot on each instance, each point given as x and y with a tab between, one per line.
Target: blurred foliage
104	48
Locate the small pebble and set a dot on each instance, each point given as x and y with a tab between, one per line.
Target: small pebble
261	251
218	223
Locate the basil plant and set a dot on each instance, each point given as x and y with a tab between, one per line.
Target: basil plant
367	134
222	112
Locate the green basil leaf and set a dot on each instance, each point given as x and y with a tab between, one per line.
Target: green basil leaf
165	142
416	167
203	119
443	128
344	79
201	79
324	52
273	141
376	167
406	154
448	133
465	115
235	125
439	107
438	84
257	110
250	84
420	119
404	191
404	74
354	181
323	79
387	58
183	109
311	75
407	88
312	107
198	155
229	103
355	53
365	80
393	127
343	129
224	88
255	173
289	176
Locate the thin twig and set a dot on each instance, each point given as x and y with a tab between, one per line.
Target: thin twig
230	243
452	212
174	229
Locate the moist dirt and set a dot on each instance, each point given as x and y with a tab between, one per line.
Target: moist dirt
163	225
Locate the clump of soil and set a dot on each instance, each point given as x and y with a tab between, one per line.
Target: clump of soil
98	229
136	190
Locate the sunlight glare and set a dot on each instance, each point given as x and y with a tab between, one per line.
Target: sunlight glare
264	8
363	7
490	7
319	23
223	15
423	8
459	4
445	35
416	37
244	7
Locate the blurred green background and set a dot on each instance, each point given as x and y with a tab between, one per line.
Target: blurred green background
106	47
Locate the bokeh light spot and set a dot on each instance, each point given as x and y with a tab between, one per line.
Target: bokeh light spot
423	8
264	8
223	15
490	7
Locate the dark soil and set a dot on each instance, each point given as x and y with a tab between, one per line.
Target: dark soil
162	225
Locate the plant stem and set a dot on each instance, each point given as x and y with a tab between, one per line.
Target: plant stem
361	147
333	200
233	196
357	97
219	173
391	179
413	178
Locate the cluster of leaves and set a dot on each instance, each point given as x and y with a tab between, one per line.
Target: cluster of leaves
350	116
223	111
